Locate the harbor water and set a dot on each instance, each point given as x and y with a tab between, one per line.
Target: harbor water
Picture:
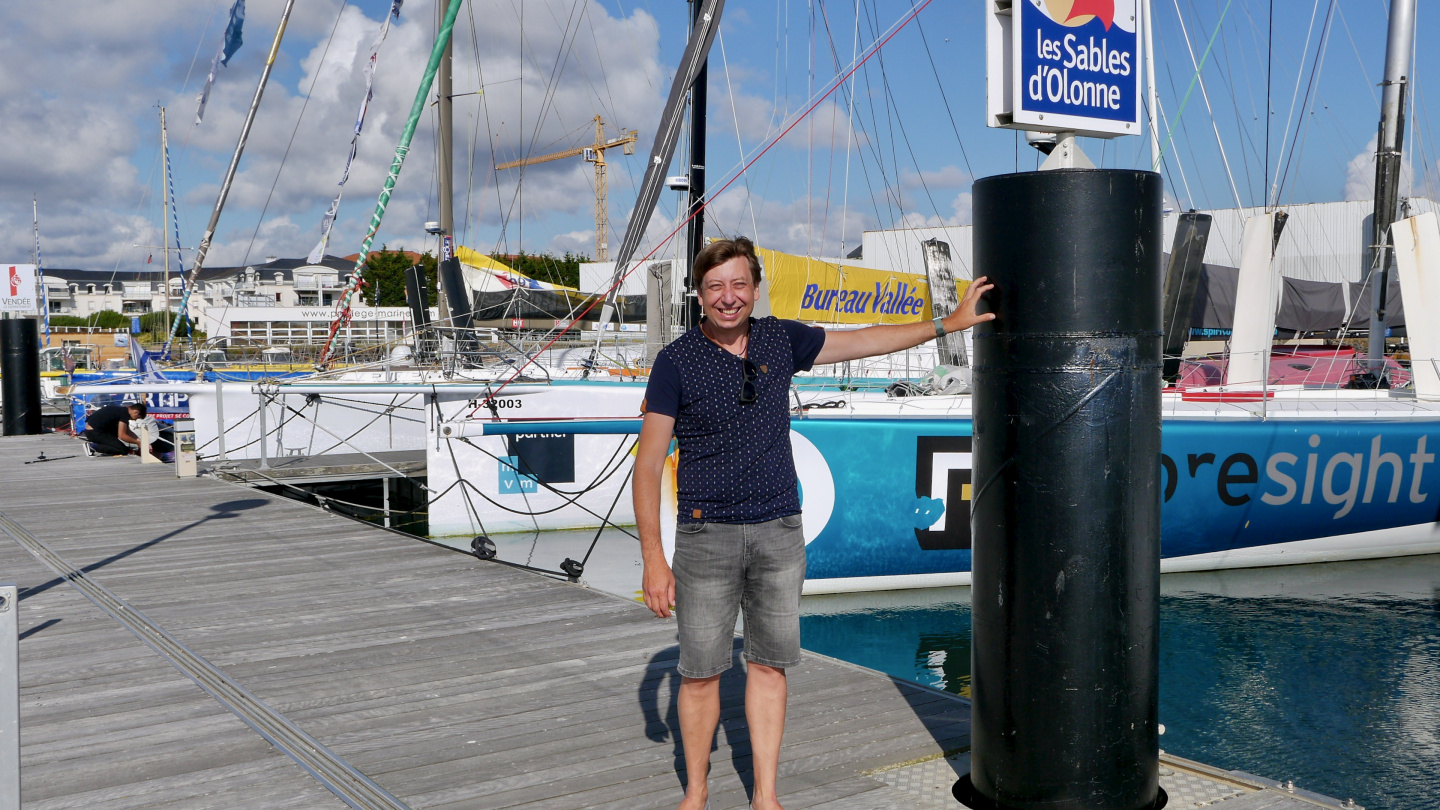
1325	675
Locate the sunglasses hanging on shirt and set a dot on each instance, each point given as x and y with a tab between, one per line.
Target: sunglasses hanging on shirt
751	374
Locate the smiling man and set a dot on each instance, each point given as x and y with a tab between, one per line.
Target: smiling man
722	391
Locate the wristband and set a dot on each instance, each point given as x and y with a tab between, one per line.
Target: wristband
939	328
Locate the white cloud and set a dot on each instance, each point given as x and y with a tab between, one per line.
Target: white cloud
806	226
77	91
960	214
1360	175
943	178
574	242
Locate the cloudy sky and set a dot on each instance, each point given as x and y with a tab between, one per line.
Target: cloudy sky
81	82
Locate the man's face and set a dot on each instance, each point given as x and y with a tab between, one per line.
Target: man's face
727	293
134	412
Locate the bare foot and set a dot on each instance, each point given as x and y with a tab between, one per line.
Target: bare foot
765	803
699	800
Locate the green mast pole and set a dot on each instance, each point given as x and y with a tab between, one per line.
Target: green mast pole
437	52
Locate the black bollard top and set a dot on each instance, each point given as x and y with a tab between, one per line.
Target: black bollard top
1042	227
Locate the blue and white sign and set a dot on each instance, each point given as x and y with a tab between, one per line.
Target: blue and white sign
1065	65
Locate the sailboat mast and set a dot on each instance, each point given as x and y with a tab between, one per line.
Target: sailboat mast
1388	153
695	230
164	207
446	140
1152	99
40	272
422	93
204	246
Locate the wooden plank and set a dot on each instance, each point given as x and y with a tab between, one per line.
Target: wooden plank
398	654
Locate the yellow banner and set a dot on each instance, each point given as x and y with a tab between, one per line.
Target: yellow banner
475	258
811	290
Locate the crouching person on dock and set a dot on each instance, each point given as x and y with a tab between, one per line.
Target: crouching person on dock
722	391
108	429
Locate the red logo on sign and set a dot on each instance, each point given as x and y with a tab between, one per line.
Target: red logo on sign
1102	9
14	281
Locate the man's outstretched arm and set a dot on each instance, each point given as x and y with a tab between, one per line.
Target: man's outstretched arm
854	344
658	582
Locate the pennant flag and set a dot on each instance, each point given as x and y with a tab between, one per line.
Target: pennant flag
232	31
228	46
317	254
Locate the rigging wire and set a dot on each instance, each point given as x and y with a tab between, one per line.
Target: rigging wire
849	138
1358	60
934	71
745	165
886	194
547	99
1284	132
899	123
1228	79
1189	144
830	151
1269	67
1282	174
739	143
184	86
301	117
1170	133
1206	96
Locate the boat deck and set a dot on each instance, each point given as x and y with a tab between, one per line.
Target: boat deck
325	468
345	665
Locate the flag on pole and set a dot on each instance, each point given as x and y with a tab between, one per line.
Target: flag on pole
317	253
228	46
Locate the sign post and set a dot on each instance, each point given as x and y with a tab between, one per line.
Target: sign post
1066	563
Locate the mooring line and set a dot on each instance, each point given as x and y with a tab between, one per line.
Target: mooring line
351	786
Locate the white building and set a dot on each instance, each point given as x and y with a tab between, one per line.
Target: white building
306	326
273	283
1321	241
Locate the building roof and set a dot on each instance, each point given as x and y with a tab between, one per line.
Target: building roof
287	267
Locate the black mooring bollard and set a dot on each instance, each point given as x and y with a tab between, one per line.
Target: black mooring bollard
1066	511
20	376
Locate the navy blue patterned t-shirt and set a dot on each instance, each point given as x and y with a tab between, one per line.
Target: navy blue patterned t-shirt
735	459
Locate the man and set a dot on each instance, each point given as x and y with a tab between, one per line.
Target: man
108	429
722	390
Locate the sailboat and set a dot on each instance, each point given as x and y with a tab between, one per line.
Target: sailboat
1253	473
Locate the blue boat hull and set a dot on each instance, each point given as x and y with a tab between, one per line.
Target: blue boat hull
880	504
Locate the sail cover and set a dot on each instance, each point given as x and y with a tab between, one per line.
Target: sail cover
1305	306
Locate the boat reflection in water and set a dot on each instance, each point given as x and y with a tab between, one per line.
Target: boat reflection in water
1328	675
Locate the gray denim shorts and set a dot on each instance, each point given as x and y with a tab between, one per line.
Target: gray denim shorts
721	568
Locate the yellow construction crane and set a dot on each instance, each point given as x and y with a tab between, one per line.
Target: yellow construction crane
593	153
